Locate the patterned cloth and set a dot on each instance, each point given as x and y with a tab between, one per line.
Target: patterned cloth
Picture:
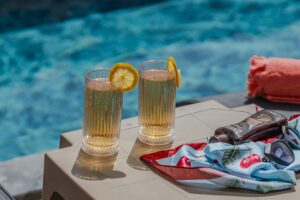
226	165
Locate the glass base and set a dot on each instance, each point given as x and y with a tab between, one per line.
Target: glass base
155	140
99	151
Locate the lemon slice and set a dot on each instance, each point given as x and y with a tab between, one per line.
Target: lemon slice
124	76
172	67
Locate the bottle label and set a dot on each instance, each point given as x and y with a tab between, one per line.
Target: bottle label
259	119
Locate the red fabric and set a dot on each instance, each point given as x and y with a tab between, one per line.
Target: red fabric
294	116
183	170
193	173
152	157
276	79
271	139
184	162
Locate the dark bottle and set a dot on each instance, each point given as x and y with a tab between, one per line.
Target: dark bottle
262	124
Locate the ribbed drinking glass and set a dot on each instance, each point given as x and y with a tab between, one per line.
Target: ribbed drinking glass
102	113
157	98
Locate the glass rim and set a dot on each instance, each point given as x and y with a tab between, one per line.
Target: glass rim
95	69
152	61
86	74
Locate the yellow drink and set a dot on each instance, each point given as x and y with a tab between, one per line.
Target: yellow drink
157	98
102	117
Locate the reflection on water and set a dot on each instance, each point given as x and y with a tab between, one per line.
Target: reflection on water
140	149
91	167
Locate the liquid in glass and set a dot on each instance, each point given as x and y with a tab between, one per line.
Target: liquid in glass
157	98
102	117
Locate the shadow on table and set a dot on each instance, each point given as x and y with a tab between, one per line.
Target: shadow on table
140	149
91	167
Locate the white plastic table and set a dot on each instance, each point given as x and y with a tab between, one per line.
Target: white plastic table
71	174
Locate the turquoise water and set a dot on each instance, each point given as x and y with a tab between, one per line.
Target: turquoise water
41	68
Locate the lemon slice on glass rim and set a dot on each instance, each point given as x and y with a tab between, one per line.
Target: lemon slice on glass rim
124	76
173	67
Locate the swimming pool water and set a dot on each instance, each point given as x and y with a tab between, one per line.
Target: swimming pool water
41	68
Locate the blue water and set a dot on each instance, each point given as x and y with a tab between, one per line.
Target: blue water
41	68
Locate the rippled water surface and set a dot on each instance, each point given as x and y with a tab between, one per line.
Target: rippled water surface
41	68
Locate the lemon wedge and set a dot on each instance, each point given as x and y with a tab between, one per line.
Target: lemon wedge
124	76
173	67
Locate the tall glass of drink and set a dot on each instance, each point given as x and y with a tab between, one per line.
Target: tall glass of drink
102	113
157	98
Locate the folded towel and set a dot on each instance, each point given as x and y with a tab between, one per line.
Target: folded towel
276	79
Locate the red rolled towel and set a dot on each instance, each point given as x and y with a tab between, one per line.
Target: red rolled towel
276	79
